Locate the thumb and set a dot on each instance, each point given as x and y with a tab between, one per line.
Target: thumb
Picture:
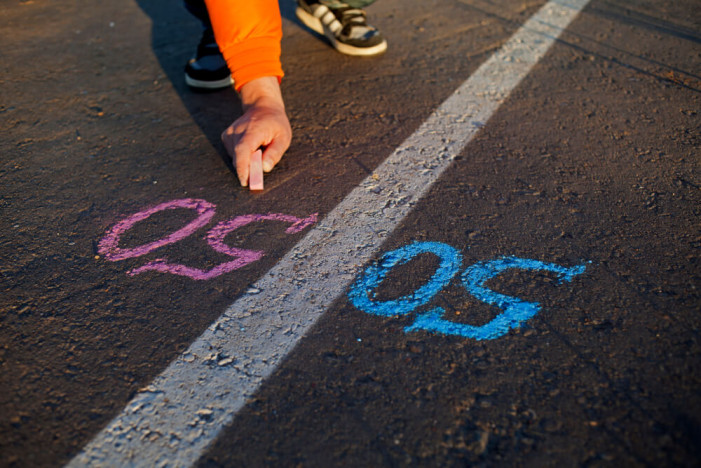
272	154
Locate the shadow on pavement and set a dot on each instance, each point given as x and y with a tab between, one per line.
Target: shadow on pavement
174	37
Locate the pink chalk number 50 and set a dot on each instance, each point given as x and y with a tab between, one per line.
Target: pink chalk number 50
109	245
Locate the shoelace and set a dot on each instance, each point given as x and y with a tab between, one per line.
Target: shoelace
352	17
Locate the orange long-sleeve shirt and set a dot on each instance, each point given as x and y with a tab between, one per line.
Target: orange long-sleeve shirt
248	33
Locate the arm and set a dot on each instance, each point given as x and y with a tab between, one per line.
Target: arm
248	34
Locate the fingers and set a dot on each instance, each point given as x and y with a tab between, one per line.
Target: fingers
227	137
243	162
241	155
261	126
241	147
248	143
274	151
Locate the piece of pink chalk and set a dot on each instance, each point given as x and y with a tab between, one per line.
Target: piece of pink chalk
255	171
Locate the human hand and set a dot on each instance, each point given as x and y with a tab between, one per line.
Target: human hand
264	124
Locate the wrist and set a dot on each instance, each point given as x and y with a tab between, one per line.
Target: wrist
263	90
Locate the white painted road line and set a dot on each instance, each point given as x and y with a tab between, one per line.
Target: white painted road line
173	420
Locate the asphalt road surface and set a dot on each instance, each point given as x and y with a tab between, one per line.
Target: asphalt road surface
591	164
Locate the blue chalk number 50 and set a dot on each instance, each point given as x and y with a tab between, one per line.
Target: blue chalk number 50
515	311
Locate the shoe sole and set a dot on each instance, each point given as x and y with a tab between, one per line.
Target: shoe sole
315	24
219	84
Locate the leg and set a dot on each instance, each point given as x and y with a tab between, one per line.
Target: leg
198	9
207	70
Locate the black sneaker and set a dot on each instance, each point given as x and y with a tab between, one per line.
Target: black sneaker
208	69
344	26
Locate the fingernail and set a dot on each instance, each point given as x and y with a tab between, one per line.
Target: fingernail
267	165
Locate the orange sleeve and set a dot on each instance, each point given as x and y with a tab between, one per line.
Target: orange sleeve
248	33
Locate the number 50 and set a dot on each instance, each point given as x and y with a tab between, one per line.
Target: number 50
515	311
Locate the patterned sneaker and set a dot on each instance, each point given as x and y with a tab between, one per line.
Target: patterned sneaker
344	26
208	70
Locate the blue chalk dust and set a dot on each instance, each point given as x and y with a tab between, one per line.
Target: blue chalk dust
359	295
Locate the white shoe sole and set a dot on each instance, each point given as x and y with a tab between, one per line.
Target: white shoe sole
315	24
223	83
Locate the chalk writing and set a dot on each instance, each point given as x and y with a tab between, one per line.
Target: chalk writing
448	268
515	311
109	245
